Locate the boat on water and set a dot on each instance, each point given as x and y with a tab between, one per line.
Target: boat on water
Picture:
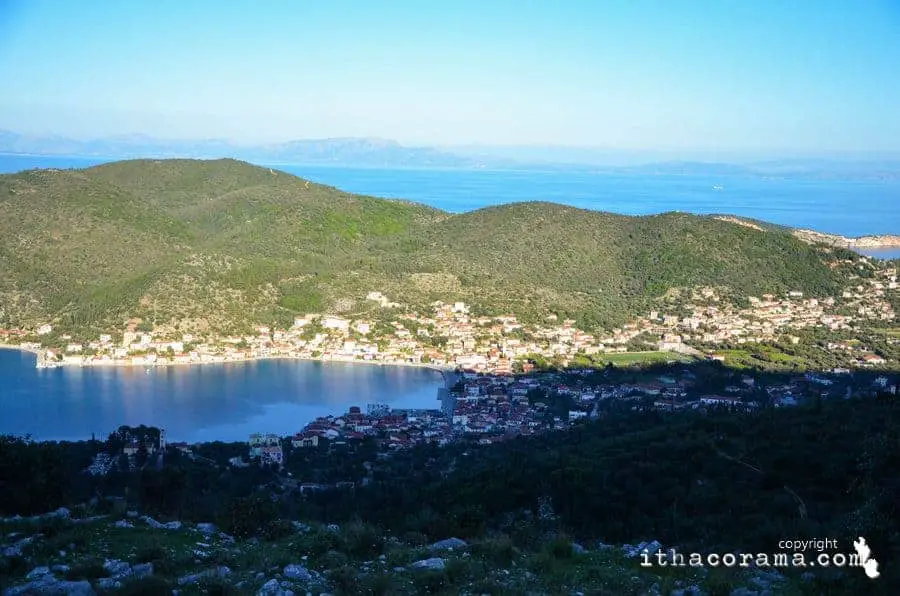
717	187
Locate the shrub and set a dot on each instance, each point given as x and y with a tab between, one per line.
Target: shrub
150	554
457	570
525	535
321	541
146	586
245	517
217	587
13	567
362	540
430	581
543	563
560	547
87	569
345	580
52	527
415	538
499	550
277	529
334	559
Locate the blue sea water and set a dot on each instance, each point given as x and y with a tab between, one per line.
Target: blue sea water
194	403
232	400
851	208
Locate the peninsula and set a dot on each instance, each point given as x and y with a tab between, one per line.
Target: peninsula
879	241
157	262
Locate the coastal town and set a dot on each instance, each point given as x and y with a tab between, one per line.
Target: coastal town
687	322
484	409
504	379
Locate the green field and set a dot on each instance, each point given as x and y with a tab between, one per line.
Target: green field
892	332
627	358
766	356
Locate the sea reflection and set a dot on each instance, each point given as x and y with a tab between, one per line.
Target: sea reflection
202	402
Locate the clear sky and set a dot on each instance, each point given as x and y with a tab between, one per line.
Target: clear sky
782	75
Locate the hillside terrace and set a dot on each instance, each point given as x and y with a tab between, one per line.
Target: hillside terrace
450	337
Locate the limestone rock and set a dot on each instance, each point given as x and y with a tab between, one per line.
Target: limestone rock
297	571
432	563
449	544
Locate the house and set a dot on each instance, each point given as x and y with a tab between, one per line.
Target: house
335	323
785	400
311	486
258	440
460	419
182	447
271	454
872	359
266	448
307	439
133	447
667	404
719	400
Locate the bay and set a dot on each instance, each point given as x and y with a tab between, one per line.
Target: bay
201	402
230	401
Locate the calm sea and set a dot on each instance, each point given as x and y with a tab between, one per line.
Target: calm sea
198	403
232	400
851	208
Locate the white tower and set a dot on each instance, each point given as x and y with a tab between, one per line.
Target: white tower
162	439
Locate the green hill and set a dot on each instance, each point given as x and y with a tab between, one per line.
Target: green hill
224	244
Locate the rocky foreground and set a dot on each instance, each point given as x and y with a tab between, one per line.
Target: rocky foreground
136	554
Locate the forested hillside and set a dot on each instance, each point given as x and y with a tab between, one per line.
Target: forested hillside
713	482
223	245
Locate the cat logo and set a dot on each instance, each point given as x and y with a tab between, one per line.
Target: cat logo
869	565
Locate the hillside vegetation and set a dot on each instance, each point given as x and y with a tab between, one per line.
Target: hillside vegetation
698	482
223	244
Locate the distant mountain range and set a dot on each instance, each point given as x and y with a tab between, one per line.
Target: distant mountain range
385	153
338	151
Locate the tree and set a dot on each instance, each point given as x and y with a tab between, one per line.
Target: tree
141	457
244	517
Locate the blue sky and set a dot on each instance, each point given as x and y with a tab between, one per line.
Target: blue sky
781	76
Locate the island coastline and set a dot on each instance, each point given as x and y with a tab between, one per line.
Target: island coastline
878	241
164	363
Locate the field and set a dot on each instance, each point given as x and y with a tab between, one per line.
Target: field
627	358
762	356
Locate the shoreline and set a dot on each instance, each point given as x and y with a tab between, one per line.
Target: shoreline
167	363
870	241
20	349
